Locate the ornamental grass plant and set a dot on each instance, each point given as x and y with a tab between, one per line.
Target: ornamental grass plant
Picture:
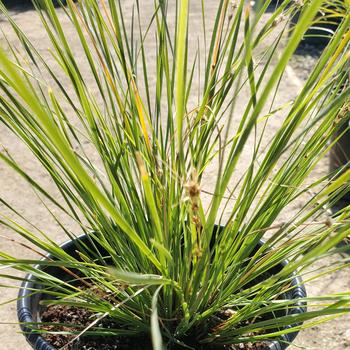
168	259
326	21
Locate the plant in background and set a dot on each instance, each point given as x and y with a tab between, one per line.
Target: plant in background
326	21
129	150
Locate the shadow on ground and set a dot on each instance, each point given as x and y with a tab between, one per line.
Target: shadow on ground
311	49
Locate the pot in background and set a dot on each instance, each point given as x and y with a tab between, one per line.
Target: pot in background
340	152
340	157
324	27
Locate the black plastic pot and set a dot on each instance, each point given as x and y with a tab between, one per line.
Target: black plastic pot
340	157
28	308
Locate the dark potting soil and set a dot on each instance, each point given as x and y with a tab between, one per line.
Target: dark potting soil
79	318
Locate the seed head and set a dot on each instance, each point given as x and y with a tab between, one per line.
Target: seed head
328	222
278	20
299	3
193	189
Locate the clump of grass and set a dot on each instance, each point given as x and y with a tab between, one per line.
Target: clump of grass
177	255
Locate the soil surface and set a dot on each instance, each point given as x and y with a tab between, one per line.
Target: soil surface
79	318
333	335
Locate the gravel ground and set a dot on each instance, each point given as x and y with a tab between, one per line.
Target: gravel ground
334	335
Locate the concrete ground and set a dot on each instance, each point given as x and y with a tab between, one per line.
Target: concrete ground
334	335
